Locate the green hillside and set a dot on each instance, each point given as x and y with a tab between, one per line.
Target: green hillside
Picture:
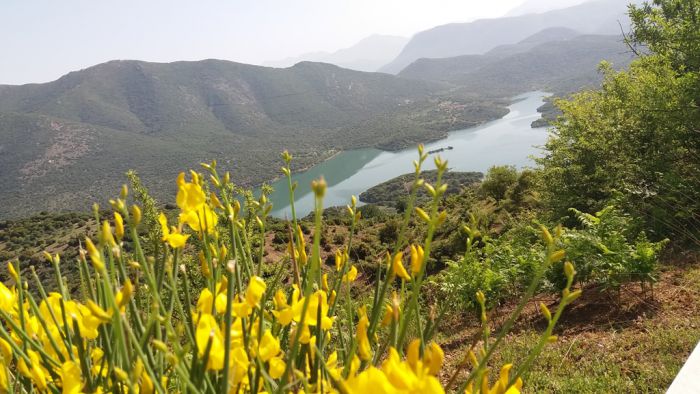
154	117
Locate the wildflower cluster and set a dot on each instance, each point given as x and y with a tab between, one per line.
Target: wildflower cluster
140	325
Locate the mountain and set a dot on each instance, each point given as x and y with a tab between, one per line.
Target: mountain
478	37
539	6
369	54
560	66
68	143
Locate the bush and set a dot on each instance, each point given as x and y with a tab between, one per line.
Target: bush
608	251
498	180
199	312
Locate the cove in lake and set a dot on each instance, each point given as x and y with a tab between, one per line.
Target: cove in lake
509	140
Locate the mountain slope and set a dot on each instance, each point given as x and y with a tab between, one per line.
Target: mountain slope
67	143
369	54
478	37
539	6
557	66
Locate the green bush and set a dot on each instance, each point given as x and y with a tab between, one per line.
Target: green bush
608	251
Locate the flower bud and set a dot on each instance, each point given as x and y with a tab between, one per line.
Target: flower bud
319	187
430	189
546	236
572	296
545	311
557	256
569	270
136	214
422	214
480	297
118	226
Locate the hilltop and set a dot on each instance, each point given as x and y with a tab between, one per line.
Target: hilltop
55	138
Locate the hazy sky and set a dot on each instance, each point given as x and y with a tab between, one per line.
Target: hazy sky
41	40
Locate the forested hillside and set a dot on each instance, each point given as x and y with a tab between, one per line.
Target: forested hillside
57	137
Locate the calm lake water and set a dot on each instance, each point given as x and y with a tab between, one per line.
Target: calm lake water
509	140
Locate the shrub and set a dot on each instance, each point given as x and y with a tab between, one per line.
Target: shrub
608	251
498	180
201	312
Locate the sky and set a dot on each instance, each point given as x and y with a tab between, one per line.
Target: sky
41	40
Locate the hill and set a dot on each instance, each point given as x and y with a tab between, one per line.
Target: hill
559	66
478	37
158	118
539	6
369	54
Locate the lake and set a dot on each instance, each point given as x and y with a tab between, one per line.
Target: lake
509	140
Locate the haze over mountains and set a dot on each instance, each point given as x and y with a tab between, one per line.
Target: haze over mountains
158	118
369	54
556	60
538	6
478	37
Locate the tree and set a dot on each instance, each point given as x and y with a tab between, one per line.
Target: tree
498	180
637	138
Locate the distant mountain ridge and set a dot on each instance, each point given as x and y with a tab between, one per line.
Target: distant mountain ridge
369	54
70	141
558	66
539	6
478	37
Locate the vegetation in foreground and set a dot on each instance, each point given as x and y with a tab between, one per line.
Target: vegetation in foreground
610	174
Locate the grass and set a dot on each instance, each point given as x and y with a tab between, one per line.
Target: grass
632	344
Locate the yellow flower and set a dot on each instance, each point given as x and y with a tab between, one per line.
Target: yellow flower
317	300
118	226
208	329
500	386
205	303
397	266
416	259
269	346
70	378
124	295
341	257
190	196
241	309
433	358
6	351
254	292
371	380
35	372
239	365
277	367
106	234
98	312
399	373
201	219
95	255
7	297
172	237
4	382
324	282
405	378
351	275
363	348
392	310
13	272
